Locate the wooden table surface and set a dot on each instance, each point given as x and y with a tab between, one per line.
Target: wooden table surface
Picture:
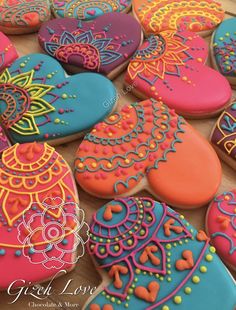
85	275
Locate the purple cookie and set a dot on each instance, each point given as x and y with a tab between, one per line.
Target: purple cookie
223	135
103	45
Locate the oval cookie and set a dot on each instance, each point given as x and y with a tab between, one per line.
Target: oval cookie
220	223
148	146
41	103
172	66
23	16
88	9
197	16
8	52
223	50
39	228
103	45
224	134
150	257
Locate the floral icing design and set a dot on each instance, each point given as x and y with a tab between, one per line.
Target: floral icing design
89	9
142	244
156	16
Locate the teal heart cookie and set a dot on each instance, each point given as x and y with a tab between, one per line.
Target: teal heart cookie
150	257
39	102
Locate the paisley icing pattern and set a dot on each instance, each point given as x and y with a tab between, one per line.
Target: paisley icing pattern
41	103
88	9
171	66
8	52
154	259
138	144
221	226
197	16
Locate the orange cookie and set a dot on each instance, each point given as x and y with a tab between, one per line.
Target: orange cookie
148	146
198	16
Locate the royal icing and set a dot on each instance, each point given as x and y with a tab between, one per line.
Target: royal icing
224	48
146	145
197	16
23	15
38	232
100	46
8	52
171	66
88	9
224	134
42	104
153	258
221	226
4	141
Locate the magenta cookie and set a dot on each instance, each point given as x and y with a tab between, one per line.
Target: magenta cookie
221	226
8	52
103	45
40	221
171	66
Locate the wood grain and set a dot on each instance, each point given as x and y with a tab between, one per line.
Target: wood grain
85	274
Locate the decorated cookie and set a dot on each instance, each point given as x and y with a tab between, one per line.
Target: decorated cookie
223	50
40	220
150	257
41	103
221	226
23	16
8	52
171	66
223	136
148	146
201	16
4	141
103	45
88	9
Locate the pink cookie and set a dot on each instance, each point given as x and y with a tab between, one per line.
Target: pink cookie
8	52
40	221
171	65
221	226
4	141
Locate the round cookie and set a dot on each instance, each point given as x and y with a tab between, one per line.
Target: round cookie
88	9
39	225
223	50
223	135
201	16
8	52
171	66
42	104
150	257
23	16
103	45
220	223
147	146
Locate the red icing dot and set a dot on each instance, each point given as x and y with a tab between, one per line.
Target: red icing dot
46	135
61	111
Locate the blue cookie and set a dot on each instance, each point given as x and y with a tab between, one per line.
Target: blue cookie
39	102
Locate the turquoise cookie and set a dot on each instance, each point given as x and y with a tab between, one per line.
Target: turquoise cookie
153	258
39	102
224	49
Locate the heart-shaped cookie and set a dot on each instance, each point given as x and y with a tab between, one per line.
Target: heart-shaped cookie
223	50
148	146
171	65
39	227
201	16
88	9
223	135
221	226
23	16
103	45
118	245
8	52
38	102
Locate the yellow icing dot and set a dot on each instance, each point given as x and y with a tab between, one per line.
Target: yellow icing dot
168	246
163	127
140	155
102	250
184	78
212	249
203	269
130	242
109	165
152	146
113	299
199	59
127	161
94	165
57	121
187	290
137	271
178	300
227	197
195	279
153	88
112	118
181	217
116	248
159	137
80	165
165	308
209	257
109	134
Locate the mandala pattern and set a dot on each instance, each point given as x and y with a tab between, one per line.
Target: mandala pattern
156	16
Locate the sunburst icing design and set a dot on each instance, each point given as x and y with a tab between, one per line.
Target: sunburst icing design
24	100
162	54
